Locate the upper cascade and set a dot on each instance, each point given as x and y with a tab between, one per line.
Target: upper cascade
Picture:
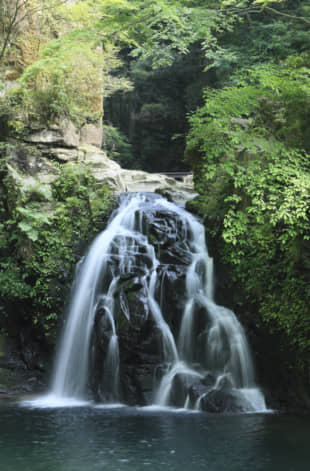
143	326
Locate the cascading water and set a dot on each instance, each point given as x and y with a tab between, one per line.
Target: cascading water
143	325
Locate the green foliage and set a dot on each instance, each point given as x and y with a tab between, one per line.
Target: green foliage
154	111
159	30
13	14
44	239
218	57
54	87
64	77
249	147
261	34
117	146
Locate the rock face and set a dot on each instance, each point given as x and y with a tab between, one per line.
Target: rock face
63	143
17	374
65	134
108	172
92	134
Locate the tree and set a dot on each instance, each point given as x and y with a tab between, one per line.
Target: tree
14	13
149	29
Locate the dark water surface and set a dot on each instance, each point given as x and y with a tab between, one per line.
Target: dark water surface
94	439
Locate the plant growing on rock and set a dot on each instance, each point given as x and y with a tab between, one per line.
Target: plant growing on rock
249	148
45	238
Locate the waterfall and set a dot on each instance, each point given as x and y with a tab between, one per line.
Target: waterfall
143	318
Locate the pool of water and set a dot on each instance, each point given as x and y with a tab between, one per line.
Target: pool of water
95	438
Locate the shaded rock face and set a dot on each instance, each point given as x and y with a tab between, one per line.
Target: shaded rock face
22	365
139	337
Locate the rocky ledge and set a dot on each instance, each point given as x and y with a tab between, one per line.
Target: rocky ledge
43	168
62	144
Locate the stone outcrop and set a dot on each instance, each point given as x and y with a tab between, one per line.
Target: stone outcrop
92	134
108	172
63	133
27	169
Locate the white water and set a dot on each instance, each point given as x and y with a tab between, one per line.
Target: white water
220	349
71	370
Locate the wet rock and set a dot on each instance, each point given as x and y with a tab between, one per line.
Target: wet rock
197	390
224	383
172	293
208	380
215	400
181	386
223	401
140	339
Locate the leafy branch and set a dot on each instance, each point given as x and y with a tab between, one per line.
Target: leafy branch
259	6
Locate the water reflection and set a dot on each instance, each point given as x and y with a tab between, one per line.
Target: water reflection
91	439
